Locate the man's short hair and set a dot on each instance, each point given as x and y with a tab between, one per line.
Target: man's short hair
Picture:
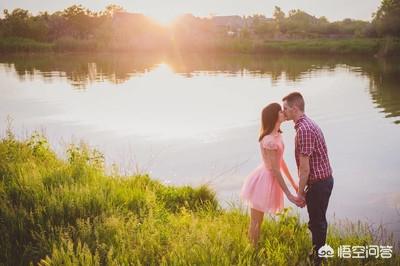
295	98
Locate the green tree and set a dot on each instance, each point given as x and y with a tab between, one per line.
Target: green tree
57	24
111	9
80	21
20	23
16	22
261	25
387	18
300	22
279	17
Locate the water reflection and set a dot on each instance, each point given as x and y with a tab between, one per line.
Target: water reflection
83	69
80	69
385	87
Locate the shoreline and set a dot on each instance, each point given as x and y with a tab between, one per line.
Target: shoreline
382	47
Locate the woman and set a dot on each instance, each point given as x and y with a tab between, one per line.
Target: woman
264	187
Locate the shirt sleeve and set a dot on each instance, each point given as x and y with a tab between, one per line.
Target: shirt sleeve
306	139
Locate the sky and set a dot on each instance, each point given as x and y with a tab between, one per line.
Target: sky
165	10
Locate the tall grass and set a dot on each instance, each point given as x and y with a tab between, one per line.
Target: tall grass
322	46
74	45
70	212
363	46
380	47
17	44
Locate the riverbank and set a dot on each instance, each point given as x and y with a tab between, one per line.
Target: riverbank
361	46
375	47
56	211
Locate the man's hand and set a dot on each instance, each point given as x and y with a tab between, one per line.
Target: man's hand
296	200
301	195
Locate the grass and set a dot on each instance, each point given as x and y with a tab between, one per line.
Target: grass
74	45
16	45
363	46
346	46
70	212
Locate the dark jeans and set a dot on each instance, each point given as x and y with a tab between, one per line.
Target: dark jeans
317	199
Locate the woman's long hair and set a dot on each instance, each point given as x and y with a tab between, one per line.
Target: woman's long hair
269	117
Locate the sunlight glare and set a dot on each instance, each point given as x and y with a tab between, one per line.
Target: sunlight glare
163	17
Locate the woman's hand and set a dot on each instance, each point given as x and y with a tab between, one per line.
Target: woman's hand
299	202
302	198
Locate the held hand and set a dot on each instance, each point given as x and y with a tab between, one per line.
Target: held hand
296	200
301	197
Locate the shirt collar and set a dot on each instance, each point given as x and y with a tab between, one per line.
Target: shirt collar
298	122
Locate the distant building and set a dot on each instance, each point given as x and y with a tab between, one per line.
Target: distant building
260	19
231	22
233	25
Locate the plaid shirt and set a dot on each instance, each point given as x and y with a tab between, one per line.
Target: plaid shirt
310	141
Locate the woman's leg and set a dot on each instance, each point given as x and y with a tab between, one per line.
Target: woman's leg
256	218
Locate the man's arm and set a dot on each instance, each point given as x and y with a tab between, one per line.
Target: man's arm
304	172
306	140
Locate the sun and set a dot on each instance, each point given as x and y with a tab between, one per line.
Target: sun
163	18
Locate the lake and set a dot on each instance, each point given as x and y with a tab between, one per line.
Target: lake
194	119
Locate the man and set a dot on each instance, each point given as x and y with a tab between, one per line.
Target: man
315	172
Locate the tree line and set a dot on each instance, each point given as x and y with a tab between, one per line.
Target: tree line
80	23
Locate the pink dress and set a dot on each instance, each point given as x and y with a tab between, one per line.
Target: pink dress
261	189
